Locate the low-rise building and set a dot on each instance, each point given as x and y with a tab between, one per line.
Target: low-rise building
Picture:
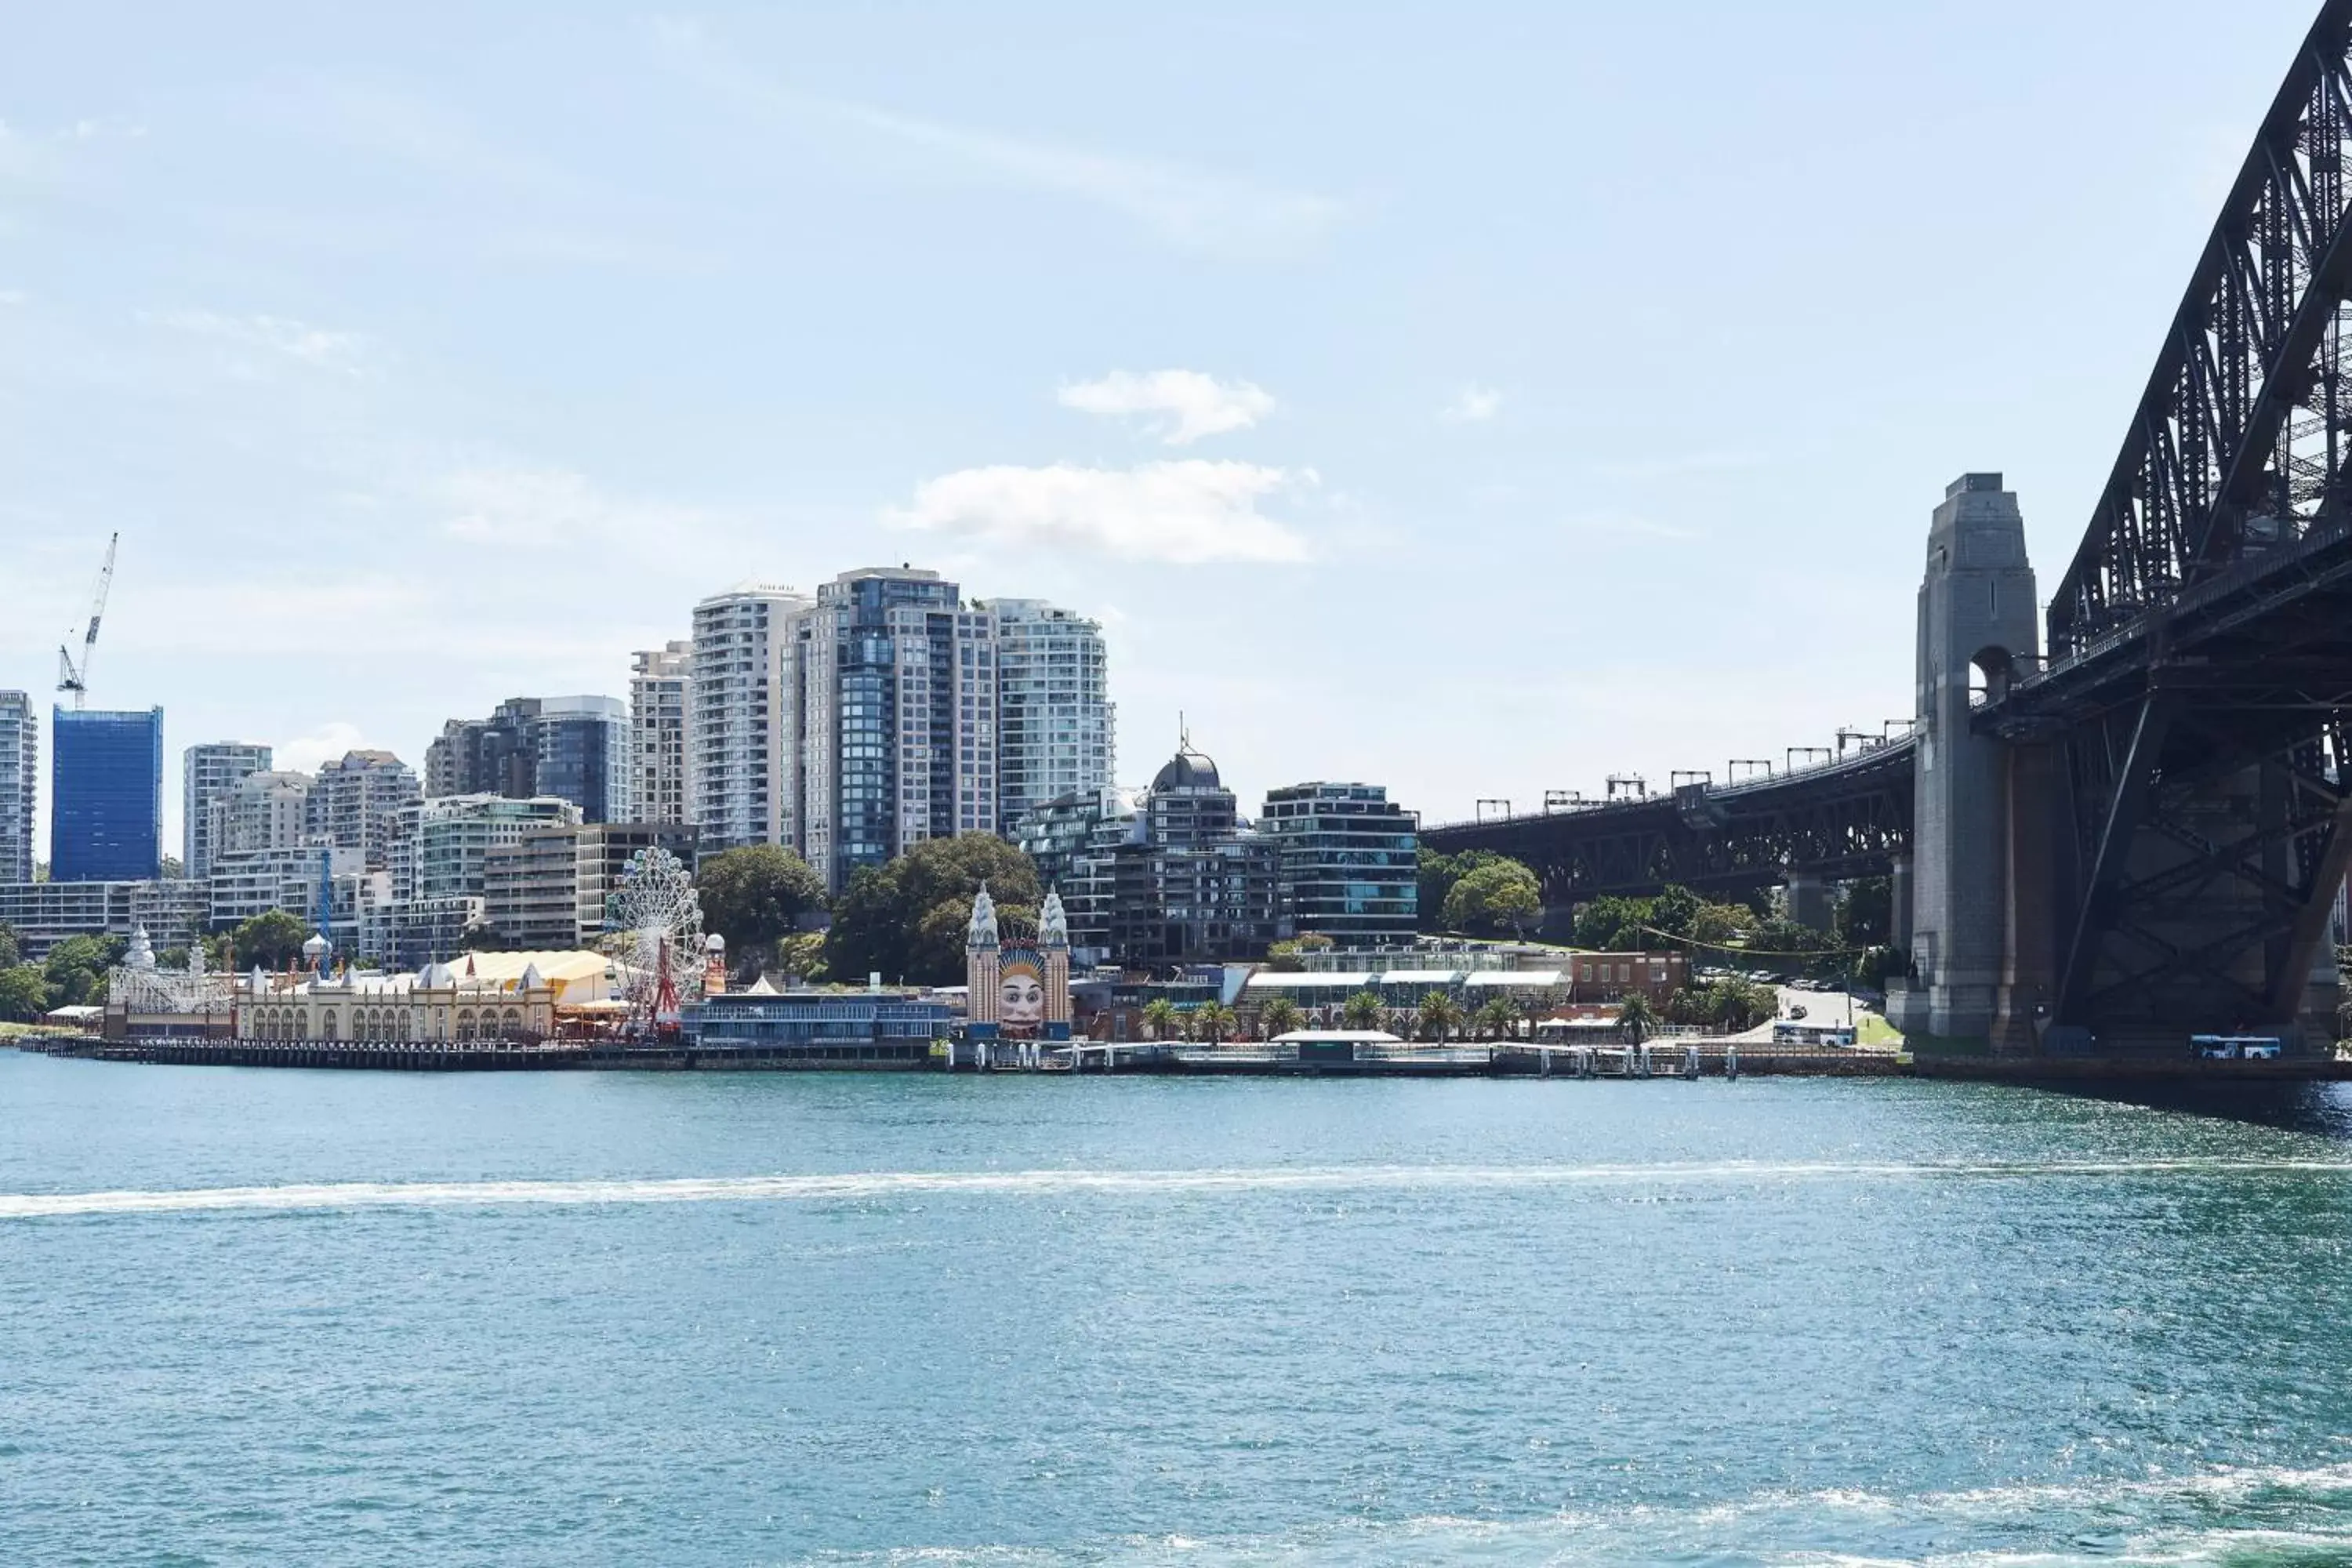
44	915
549	886
822	1029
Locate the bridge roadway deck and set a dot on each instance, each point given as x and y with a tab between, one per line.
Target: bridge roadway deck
1839	820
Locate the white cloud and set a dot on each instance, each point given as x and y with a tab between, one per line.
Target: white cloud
344	352
1186	513
308	753
1473	405
1190	207
1194	405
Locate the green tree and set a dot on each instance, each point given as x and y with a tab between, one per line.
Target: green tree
1363	1010
1289	957
24	993
1719	926
75	970
801	956
12	950
1160	1017
1865	915
1438	873
906	919
1675	912
1611	924
754	896
1279	1017
1636	1017
1438	1014
1499	896
1499	1019
272	939
1212	1022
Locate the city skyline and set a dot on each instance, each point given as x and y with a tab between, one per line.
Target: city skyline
1237	357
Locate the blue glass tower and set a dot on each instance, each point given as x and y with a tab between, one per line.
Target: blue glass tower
106	796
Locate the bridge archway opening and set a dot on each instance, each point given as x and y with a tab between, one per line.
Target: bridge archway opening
1989	672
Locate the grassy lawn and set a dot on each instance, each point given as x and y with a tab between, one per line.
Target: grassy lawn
1874	1030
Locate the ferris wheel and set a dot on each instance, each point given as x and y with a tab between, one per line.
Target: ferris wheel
658	917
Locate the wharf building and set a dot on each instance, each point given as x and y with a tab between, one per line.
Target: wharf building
661	683
106	795
572	748
20	776
208	773
742	778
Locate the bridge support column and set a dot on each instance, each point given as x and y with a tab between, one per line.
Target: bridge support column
1809	900
2028	964
1899	919
1977	608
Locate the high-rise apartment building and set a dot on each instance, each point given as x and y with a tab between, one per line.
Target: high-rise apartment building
1191	883
1349	862
20	774
106	795
659	682
549	887
486	756
1055	731
356	799
206	774
742	783
575	748
260	811
581	746
896	731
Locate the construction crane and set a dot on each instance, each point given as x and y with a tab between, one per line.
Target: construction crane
72	677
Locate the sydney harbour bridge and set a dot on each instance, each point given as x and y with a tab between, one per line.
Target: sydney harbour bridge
2128	825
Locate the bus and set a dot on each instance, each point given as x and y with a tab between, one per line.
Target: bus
2235	1048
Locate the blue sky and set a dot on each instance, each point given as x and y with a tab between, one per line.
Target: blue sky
1475	399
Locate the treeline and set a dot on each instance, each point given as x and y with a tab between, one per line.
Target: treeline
904	920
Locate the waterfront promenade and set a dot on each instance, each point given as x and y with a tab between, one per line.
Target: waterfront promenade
1662	1058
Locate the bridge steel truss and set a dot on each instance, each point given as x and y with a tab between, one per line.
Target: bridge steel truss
2197	700
1840	822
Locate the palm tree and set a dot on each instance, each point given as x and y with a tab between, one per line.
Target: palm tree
1158	1017
1439	1015
1280	1017
1212	1022
1500	1018
1636	1017
1362	1011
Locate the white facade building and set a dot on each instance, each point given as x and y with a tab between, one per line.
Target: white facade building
20	775
208	774
259	811
355	800
1056	733
742	775
661	682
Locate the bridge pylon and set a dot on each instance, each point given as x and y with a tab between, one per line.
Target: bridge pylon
1977	629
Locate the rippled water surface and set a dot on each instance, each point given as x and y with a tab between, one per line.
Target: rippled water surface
338	1318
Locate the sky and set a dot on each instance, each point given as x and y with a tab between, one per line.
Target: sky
1475	399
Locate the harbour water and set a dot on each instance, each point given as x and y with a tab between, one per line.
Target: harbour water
342	1317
